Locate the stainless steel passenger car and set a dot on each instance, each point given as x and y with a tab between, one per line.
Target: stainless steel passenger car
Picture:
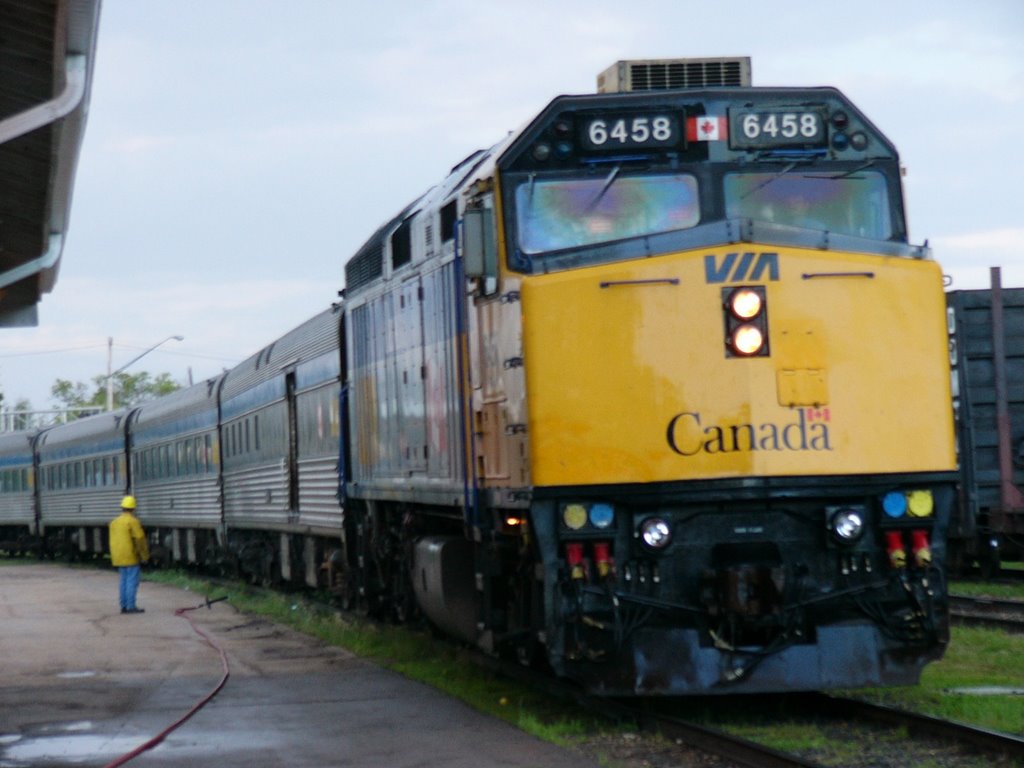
280	426
82	477
17	488
175	466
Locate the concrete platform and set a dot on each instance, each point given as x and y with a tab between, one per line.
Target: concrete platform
81	684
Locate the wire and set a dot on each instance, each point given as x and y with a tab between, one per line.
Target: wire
199	705
50	351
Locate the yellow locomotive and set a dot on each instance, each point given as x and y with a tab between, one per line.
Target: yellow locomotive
656	392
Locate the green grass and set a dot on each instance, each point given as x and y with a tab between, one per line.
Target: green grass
975	658
983	589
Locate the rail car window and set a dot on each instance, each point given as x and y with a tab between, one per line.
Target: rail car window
555	214
855	203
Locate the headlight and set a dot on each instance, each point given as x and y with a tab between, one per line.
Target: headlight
747	340
746	320
745	303
655	533
848	525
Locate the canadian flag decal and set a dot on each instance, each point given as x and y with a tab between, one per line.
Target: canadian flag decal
707	128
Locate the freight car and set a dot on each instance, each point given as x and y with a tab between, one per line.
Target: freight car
654	392
987	352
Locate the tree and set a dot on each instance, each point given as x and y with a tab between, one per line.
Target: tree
128	388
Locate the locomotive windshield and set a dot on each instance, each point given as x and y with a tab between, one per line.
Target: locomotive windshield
620	176
555	214
845	203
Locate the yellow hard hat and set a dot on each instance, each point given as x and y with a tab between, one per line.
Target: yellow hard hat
128	502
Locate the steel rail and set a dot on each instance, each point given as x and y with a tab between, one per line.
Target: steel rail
949	731
984	611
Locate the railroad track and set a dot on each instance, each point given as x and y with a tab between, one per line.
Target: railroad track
966	739
986	611
962	735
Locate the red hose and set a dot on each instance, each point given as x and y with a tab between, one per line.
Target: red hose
199	705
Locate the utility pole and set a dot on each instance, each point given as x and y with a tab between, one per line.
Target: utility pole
110	380
111	375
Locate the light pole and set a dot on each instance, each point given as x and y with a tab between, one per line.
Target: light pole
112	374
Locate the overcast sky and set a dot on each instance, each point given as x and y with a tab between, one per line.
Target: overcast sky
237	152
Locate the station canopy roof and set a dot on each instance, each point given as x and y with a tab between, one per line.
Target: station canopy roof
47	51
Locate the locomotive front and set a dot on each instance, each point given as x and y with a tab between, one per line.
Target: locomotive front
736	415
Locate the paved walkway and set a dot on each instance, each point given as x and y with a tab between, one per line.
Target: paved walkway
81	684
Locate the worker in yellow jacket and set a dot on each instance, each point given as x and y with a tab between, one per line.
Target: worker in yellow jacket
128	548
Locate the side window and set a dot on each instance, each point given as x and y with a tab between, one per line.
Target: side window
401	244
448	216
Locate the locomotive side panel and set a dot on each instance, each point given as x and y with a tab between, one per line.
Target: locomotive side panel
404	390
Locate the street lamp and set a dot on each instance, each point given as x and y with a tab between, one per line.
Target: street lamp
112	374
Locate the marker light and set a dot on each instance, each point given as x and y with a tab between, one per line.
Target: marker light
747	340
847	525
745	303
602	515
894	503
840	120
655	533
859	141
920	503
574	516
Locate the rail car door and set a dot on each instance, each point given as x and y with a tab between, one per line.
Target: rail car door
293	448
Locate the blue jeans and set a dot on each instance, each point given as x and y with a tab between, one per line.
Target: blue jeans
129	585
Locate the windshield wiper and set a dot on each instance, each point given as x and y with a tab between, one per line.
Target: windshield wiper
769	180
848	174
604	188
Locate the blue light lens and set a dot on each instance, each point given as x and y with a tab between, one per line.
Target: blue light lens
602	515
895	504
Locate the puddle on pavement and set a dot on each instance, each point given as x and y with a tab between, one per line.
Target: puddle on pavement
73	749
76	675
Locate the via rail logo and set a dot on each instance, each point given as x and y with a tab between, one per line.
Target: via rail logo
741	267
